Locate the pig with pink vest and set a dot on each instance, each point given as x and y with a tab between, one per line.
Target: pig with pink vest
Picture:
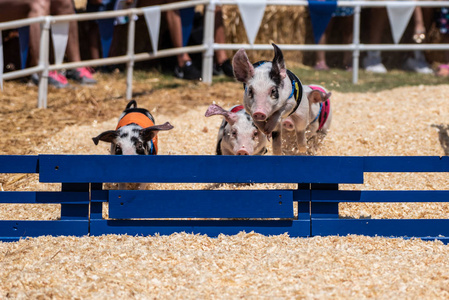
237	134
319	118
273	93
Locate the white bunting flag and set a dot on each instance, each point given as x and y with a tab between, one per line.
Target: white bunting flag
60	35
252	12
153	17
399	16
1	61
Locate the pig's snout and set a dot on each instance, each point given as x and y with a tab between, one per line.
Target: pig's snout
288	125
242	151
259	116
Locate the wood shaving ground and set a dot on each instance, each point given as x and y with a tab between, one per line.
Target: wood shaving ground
248	265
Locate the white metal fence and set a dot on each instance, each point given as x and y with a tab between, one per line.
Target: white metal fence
207	48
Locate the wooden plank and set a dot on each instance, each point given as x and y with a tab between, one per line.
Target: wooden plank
406	164
44	197
23	229
379	196
382	227
197	168
295	228
201	204
18	164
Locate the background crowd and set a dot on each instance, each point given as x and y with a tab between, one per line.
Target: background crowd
84	38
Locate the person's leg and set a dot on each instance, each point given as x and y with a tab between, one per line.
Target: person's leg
185	68
175	29
443	69
65	7
378	21
320	61
11	10
81	75
94	42
348	35
37	8
220	36
417	61
222	62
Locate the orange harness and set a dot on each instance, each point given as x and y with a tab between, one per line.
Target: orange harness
143	121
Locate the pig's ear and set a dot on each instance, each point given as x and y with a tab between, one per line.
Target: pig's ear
214	110
243	69
107	136
150	132
278	71
316	96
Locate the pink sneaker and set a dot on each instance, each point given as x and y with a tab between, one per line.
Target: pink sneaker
57	79
82	75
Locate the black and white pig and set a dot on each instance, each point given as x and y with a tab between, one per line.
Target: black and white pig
135	134
237	134
272	93
320	115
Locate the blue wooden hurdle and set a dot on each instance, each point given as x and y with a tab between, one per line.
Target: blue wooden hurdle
215	212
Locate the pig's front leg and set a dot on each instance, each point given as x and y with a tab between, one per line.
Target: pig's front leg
277	141
300	140
272	123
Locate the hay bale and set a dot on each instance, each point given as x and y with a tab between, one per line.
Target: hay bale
280	25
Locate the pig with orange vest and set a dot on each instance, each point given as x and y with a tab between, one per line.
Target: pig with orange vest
136	133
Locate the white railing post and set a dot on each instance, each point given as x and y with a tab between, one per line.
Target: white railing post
130	55
43	61
208	41
356	44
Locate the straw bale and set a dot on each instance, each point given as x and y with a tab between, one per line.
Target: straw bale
280	24
249	265
80	4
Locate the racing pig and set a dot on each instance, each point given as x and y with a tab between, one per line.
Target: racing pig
272	93
135	134
320	114
237	134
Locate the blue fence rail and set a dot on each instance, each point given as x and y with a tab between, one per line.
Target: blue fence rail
214	212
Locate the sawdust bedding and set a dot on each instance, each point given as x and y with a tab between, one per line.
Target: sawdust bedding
248	265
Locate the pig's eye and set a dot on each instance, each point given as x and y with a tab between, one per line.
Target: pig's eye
250	92
139	148
255	134
274	93
118	150
234	133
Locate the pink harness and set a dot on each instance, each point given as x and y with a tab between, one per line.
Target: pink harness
323	114
236	108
